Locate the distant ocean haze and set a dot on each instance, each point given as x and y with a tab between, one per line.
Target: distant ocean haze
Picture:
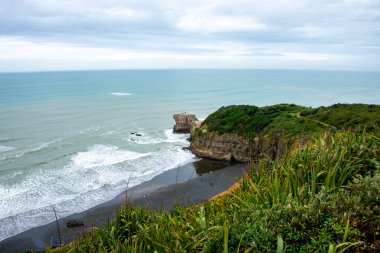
68	139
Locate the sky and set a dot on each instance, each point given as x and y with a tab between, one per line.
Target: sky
45	35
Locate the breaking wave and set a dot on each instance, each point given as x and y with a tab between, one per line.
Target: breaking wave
121	93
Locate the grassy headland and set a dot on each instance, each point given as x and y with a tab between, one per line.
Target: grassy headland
290	119
321	197
247	133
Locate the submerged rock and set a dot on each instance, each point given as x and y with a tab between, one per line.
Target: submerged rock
183	122
74	223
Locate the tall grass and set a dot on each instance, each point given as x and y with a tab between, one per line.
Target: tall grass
329	161
323	197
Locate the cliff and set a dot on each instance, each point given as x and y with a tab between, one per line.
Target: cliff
232	147
245	133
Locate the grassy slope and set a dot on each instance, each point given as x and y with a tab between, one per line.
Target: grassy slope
322	197
289	119
345	115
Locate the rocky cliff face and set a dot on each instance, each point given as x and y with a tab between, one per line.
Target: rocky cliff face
231	147
183	122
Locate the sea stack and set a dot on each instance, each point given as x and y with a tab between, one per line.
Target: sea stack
183	122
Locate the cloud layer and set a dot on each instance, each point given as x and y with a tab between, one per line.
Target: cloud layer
94	34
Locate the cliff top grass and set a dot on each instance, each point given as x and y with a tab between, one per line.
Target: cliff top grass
290	119
345	115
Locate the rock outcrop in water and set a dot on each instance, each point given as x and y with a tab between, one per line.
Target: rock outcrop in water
74	223
183	122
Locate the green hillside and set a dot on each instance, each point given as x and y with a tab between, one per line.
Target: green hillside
290	119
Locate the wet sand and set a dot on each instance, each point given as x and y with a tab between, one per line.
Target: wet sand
188	184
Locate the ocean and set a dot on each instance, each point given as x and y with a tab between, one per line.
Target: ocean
68	139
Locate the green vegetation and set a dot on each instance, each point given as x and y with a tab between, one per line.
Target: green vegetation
290	120
322	197
245	119
346	115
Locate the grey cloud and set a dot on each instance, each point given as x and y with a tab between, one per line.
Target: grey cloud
26	18
328	27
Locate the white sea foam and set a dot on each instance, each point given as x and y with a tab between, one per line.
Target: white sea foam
145	140
89	178
163	160
168	137
14	155
139	137
111	132
88	130
176	138
42	146
32	149
5	148
99	155
121	93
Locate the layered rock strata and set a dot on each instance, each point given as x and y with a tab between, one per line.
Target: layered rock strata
183	122
231	147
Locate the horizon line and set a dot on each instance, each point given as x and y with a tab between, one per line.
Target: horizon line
163	69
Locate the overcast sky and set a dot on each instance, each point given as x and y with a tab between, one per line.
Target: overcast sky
39	35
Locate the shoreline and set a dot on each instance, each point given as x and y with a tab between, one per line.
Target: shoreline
189	184
232	188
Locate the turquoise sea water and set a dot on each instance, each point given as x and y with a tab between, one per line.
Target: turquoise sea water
66	137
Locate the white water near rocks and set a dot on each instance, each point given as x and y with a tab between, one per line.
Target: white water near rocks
87	178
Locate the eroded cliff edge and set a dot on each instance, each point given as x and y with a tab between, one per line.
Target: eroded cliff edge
231	147
245	133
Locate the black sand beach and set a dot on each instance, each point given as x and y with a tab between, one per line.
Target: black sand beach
189	184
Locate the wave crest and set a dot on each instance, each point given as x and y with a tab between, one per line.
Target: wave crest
100	155
5	148
121	93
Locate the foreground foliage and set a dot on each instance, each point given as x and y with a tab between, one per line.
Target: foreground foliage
323	197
